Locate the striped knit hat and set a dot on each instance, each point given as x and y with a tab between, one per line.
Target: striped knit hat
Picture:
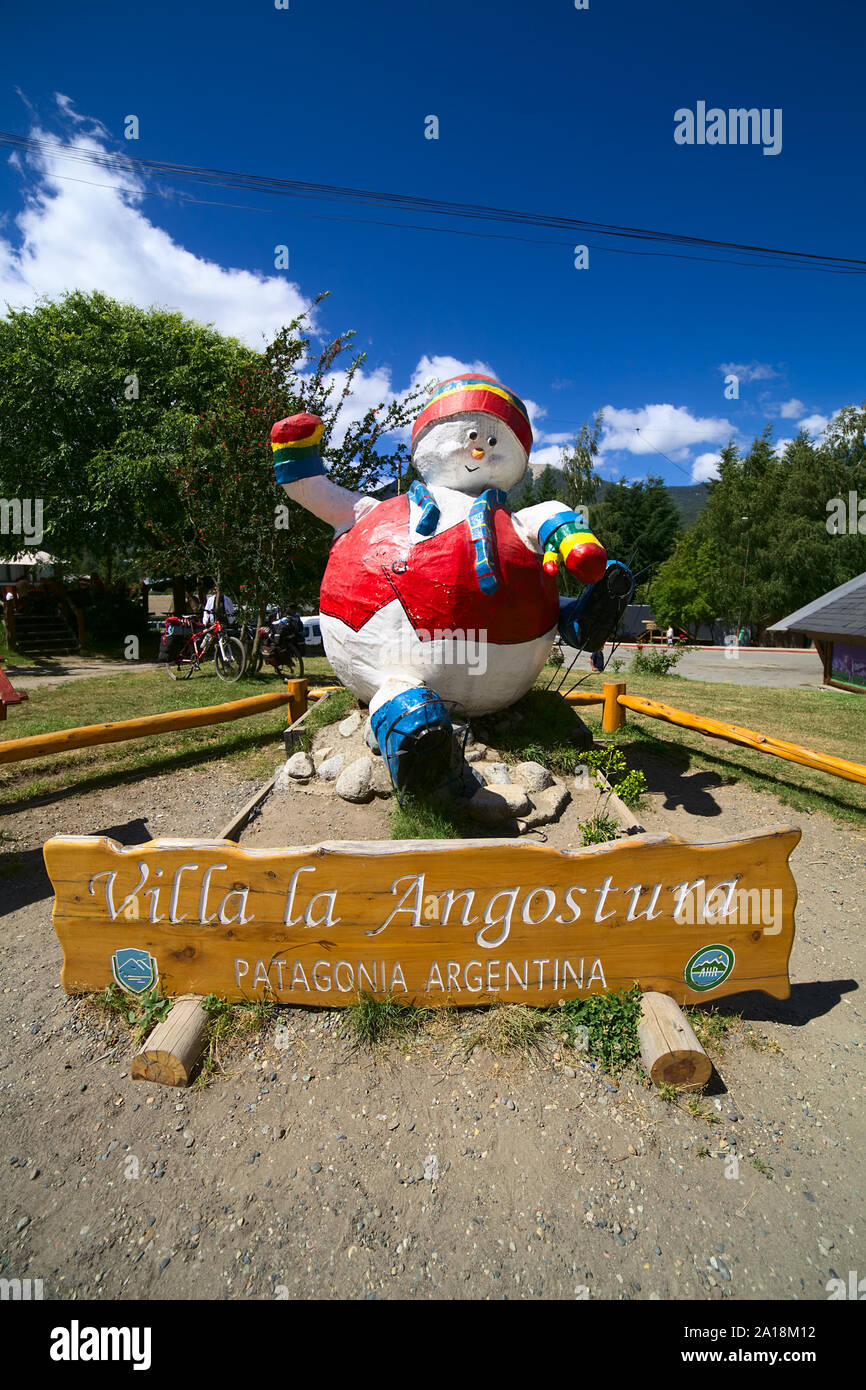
469	392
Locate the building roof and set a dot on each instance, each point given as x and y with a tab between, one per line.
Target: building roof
840	613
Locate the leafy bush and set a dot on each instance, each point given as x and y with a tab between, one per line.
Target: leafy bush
598	830
605	1025
657	661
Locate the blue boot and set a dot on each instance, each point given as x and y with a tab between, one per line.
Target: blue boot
413	730
589	621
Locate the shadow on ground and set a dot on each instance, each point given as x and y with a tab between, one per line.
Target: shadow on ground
23	879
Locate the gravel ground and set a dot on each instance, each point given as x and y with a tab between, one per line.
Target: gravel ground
309	1169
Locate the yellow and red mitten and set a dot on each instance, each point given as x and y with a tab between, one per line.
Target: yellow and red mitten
565	537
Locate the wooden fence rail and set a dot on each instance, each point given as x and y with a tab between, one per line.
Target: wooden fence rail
616	702
89	735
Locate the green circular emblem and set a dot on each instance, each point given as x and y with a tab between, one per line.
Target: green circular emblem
709	967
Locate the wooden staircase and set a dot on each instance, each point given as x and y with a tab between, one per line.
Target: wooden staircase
44	634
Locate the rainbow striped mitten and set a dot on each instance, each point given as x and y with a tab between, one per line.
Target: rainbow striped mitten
564	537
295	442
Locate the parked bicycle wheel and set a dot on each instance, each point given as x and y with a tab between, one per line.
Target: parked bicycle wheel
229	658
180	670
291	663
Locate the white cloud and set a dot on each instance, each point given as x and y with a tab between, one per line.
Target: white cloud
705	467
789	410
563	438
780	446
440	367
814	424
748	371
77	236
547	454
668	428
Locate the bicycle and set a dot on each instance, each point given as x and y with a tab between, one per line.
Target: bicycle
229	653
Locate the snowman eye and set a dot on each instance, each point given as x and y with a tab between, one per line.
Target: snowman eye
473	435
492	440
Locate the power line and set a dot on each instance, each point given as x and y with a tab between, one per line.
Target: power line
445	231
297	188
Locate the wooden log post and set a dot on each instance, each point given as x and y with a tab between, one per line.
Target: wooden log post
670	1051
297	691
613	715
175	1045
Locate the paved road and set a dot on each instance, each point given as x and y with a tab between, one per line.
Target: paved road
784	667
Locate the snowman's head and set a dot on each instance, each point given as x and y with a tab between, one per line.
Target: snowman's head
470	452
473	434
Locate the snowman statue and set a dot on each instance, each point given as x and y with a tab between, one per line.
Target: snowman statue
441	601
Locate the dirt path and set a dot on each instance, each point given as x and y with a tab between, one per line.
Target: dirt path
50	673
312	1170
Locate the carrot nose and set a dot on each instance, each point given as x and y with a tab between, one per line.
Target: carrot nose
478	453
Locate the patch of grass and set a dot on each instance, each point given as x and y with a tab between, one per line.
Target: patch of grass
702	1151
504	1028
762	1167
371	1021
604	1025
417	819
542	732
711	1028
330	711
668	1093
227	1024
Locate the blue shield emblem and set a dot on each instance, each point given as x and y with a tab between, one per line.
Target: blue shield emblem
134	969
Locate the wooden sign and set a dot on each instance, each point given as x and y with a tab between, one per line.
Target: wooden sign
448	921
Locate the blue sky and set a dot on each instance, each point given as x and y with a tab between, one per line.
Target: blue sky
542	108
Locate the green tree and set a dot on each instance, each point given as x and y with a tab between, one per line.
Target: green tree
549	486
240	528
581	482
683	592
96	397
637	522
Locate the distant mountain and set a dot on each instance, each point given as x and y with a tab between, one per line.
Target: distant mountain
688	498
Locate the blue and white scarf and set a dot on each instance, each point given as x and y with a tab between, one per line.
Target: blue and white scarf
480	529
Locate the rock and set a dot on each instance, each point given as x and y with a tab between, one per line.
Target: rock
331	768
533	776
322	755
547	805
431	1168
497	803
370	739
300	766
481	750
473	755
569	1072
496	774
350	725
380	782
354	783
